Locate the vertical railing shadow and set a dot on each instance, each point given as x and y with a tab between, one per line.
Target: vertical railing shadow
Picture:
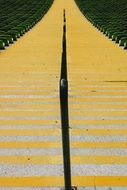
64	113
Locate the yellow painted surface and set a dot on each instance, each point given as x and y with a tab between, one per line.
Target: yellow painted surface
57	108
44	160
30	132
56	100
31	106
29	113
35	160
100	132
103	93
101	106
36	57
58	144
33	144
91	83
29	88
71	88
56	114
57	181
99	160
98	122
91	55
28	100
98	113
34	92
57	132
98	88
29	122
54	92
43	181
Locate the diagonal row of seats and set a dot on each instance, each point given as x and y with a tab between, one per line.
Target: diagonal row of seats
18	17
110	17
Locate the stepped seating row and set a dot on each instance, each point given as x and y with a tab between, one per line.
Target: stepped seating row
110	17
18	17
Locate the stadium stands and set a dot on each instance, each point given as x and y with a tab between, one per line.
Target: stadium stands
18	17
110	17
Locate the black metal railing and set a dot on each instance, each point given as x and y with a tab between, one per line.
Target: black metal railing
64	113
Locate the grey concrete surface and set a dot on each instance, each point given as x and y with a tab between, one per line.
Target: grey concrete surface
31	152
58	151
120	126
85	117
30	118
30	170
28	138
94	96
99	138
30	127
28	96
99	170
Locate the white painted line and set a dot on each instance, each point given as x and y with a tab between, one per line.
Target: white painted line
31	139
99	170
30	152
98	138
9	170
28	96
82	96
29	118
85	117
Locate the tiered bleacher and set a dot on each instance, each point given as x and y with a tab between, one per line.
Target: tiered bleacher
19	16
110	17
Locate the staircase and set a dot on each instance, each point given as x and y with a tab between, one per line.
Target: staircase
30	133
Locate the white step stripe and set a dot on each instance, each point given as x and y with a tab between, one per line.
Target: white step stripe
30	118
99	152
99	138
30	127
58	138
99	170
58	151
28	96
30	152
85	117
122	126
49	170
32	139
91	96
30	170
